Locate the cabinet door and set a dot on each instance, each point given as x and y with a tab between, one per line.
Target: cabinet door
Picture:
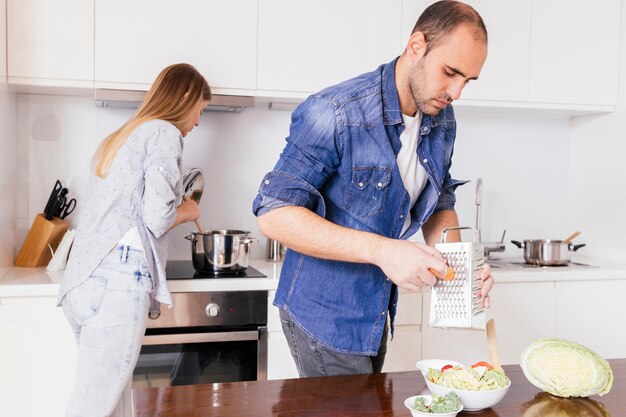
522	312
575	51
135	40
50	42
592	313
306	46
404	350
37	358
505	75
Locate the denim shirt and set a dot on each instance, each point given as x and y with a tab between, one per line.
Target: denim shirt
340	162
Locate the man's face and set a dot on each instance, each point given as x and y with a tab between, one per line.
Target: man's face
438	77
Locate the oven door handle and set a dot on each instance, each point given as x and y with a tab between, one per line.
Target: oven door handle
168	339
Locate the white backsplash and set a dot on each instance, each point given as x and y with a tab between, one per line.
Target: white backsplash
523	160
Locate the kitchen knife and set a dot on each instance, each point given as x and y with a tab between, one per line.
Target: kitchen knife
52	205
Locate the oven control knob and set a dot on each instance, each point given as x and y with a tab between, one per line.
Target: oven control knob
212	310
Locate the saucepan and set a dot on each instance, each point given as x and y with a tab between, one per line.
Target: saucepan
546	252
214	251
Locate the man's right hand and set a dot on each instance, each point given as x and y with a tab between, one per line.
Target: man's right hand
406	263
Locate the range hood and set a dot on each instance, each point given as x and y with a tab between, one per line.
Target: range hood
132	99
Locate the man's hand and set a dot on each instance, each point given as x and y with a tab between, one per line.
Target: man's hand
486	285
406	263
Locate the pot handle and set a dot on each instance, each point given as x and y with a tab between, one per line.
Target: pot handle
574	248
518	244
189	236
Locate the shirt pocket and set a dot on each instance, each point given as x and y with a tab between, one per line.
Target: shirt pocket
368	189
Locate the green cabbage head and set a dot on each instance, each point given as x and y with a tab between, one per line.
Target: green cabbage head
566	369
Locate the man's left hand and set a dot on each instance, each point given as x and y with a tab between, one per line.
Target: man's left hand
487	284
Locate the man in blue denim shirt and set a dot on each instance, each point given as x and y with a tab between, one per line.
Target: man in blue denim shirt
366	165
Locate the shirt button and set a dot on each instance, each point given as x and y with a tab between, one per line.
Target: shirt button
267	182
402	216
380	184
361	184
382	314
424	160
160	169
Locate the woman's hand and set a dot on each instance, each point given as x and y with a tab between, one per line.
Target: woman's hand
188	211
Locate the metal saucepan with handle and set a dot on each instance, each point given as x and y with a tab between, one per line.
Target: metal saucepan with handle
214	251
546	252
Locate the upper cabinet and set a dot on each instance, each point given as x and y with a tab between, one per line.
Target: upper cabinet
557	55
50	43
135	40
306	46
575	52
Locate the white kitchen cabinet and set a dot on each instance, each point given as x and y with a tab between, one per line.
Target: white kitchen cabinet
37	358
50	43
306	46
592	313
522	312
135	40
280	364
574	52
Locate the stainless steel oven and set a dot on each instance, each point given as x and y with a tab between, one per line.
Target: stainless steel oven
218	336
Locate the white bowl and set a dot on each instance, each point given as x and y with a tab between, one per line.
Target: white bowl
408	403
425	364
472	400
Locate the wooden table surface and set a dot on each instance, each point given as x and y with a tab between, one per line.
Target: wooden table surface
362	396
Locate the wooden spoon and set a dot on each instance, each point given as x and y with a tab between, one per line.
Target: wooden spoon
569	239
199	226
493	348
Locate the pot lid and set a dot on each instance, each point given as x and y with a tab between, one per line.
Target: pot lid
193	184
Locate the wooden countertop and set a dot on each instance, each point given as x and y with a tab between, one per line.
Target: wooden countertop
361	396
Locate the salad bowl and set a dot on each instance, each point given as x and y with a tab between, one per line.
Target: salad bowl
409	402
471	400
425	364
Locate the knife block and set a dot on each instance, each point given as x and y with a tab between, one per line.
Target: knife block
43	232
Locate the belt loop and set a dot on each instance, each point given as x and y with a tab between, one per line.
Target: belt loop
124	255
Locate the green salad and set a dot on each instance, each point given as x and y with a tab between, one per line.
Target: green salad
439	405
479	377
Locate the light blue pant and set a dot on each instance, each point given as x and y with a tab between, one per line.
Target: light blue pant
108	314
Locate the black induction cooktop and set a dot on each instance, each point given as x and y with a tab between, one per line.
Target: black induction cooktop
185	270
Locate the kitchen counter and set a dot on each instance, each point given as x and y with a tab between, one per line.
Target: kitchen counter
362	395
37	282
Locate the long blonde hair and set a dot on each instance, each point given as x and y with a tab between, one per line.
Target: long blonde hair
173	97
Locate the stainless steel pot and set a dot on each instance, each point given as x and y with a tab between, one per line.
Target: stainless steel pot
220	250
546	252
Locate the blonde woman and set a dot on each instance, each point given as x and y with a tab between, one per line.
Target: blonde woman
117	264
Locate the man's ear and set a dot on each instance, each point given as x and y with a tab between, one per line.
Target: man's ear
417	44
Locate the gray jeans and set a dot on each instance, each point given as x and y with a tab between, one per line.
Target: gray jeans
313	359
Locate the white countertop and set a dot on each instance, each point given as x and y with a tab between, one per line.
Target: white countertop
37	282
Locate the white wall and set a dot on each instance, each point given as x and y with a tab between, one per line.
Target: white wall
597	172
7	156
57	136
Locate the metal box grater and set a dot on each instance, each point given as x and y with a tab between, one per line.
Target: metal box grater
455	303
